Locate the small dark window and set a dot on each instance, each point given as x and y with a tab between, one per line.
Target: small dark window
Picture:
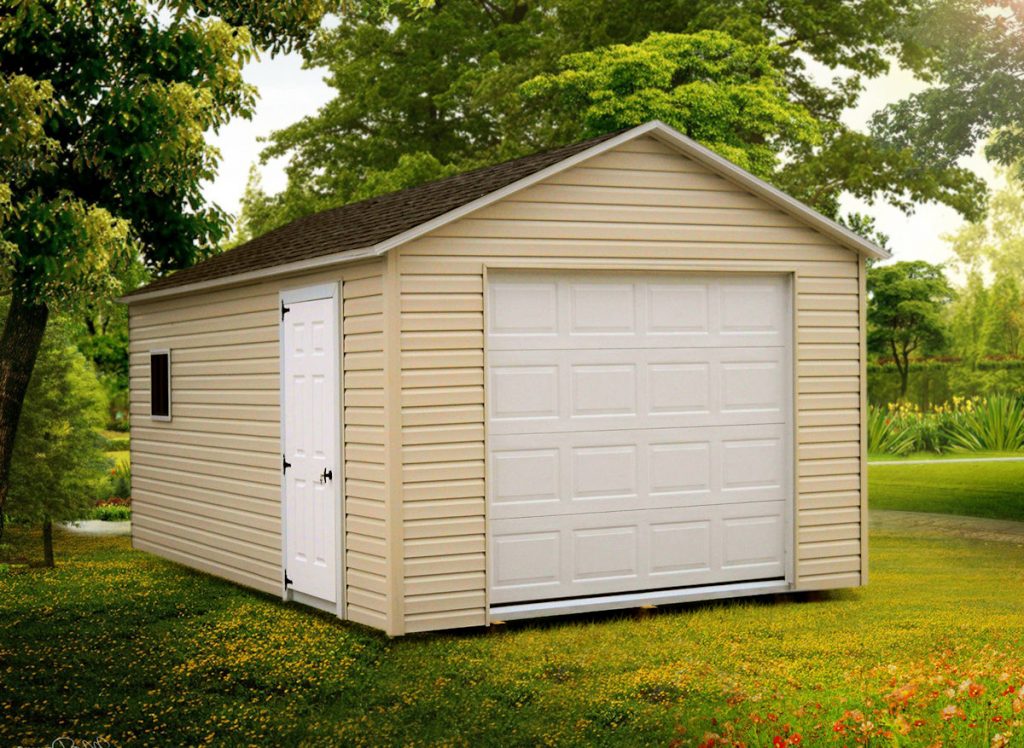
160	384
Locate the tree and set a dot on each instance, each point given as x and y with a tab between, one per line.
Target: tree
906	311
973	51
1003	325
445	79
719	91
103	109
969	319
995	244
58	463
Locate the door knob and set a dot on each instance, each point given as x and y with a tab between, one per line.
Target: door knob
326	475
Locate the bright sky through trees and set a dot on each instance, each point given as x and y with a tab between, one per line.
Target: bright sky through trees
288	93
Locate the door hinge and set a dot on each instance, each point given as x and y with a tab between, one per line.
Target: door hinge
284	464
284	310
287	581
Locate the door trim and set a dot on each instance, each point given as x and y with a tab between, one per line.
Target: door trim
331	291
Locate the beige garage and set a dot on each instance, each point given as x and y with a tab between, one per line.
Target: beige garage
620	373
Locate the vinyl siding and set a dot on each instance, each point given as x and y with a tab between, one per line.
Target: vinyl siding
206	486
640	206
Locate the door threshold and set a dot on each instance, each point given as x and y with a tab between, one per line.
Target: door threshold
518	611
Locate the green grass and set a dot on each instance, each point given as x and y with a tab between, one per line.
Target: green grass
120	457
933	456
993	489
119	644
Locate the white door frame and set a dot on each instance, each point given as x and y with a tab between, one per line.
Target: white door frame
330	291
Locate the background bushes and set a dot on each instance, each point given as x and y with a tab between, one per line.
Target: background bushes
934	381
993	424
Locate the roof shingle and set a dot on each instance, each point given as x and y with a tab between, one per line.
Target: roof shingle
366	223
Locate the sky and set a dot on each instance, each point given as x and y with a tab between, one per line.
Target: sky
288	93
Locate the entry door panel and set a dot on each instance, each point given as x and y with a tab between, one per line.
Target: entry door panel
638	431
310	446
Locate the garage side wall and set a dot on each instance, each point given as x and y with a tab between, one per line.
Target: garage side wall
638	207
206	485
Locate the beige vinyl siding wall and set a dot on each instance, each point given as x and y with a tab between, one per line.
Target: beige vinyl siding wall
206	486
640	206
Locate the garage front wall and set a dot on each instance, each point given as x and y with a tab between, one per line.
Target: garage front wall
206	485
638	207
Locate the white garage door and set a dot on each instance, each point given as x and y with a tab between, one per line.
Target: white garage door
638	431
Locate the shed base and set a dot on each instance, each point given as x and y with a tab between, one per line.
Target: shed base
637	599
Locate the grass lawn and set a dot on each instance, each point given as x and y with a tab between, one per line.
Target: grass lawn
120	644
915	456
992	489
120	457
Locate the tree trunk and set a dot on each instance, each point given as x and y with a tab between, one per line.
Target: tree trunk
48	543
904	380
19	346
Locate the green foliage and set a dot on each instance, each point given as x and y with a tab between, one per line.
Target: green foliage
995	244
720	91
988	424
105	108
935	380
906	306
120	483
110	512
446	79
975	51
58	468
968	316
116	444
887	434
996	424
188	659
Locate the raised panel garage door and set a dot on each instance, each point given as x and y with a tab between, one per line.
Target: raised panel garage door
638	431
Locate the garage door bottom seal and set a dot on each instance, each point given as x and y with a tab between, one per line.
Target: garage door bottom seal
569	606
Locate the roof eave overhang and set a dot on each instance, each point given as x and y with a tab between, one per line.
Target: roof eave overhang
660	130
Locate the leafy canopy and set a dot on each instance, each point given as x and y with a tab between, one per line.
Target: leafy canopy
906	311
974	54
58	466
104	107
710	86
445	79
995	244
989	320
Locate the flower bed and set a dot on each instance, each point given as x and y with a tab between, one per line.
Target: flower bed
961	425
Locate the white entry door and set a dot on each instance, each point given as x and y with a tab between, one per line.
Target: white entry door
312	474
638	431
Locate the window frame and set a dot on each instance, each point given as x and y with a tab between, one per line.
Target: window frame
160	352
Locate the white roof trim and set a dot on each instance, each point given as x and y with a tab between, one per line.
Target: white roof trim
663	132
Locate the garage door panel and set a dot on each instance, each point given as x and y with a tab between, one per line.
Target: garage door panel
539	311
567	390
540	558
532	475
753	545
639	431
752	387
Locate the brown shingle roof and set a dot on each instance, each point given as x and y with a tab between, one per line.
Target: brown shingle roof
366	223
